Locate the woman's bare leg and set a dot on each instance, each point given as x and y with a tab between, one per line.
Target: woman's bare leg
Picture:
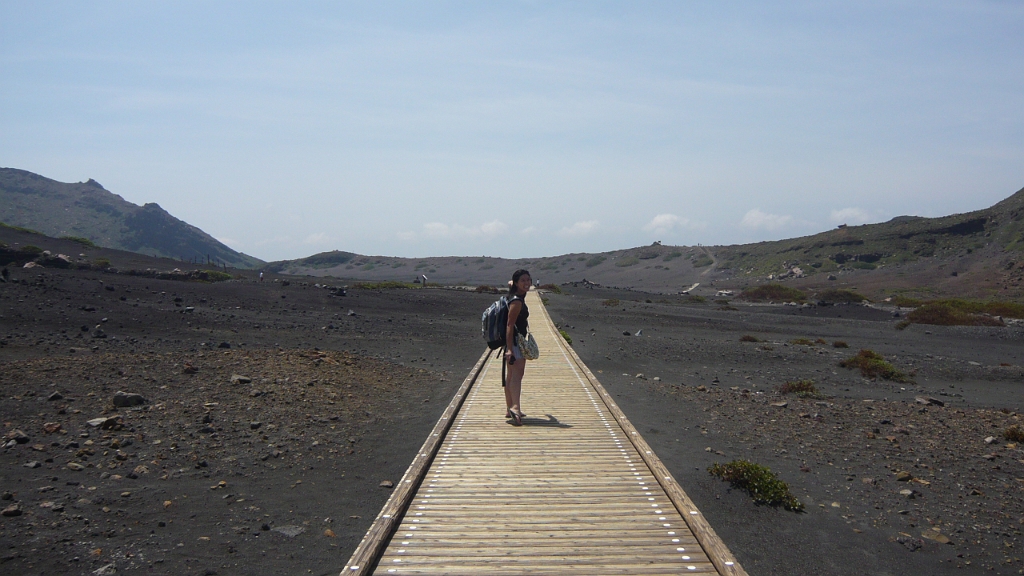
514	384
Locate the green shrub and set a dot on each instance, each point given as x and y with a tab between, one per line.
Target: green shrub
20	229
863	265
627	261
30	249
833	296
385	285
759	481
948	313
748	338
773	293
610	302
671	256
80	240
702	261
802	342
595	261
694	299
1014	433
217	276
874	365
555	288
568	339
840	344
101	263
802	388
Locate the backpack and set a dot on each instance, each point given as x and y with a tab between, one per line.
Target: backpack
494	322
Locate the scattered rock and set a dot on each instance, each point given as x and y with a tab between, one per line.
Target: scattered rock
189	369
18	436
255	425
782	404
51	427
224	345
910	543
239	379
128	399
990	440
386	484
929	401
903	476
55	396
12	510
936	536
33	464
289	531
105	570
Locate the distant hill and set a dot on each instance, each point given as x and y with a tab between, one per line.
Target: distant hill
976	254
87	210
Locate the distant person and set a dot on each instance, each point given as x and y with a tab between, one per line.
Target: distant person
261	276
518	314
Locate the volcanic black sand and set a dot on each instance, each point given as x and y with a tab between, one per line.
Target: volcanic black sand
273	413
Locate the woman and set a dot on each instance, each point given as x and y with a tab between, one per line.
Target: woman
517	324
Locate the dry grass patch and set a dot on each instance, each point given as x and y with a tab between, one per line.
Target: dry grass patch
874	365
759	481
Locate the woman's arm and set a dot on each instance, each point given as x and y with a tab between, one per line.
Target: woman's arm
513	314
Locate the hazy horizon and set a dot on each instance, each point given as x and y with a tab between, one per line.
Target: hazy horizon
420	129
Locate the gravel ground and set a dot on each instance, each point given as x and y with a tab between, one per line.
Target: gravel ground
343	389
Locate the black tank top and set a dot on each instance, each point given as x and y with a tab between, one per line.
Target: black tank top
522	323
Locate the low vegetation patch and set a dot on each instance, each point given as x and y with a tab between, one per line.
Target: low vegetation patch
949	313
802	388
772	293
484	289
748	338
30	249
568	339
595	261
840	296
671	256
759	481
20	229
627	261
385	285
554	288
702	261
840	344
802	342
216	276
101	263
694	299
1014	433
610	302
874	365
80	240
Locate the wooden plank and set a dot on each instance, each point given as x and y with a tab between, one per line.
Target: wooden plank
570	492
376	538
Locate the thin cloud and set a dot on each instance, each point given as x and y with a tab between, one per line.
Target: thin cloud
758	220
579	228
440	230
664	223
318	238
852	216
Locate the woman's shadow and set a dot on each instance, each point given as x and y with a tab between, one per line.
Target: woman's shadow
548	421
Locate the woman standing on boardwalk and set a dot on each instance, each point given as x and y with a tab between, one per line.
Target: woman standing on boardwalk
517	324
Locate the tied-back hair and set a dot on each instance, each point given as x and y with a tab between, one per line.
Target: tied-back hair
515	278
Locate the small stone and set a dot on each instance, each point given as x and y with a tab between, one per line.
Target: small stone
903	476
7	496
239	379
386	484
75	466
290	531
657	378
12	510
990	440
936	536
189	369
55	396
702	388
782	404
224	345
907	493
329	533
128	399
34	464
105	570
929	401
18	436
255	425
51	427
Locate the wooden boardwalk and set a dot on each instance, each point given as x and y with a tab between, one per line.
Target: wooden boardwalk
575	490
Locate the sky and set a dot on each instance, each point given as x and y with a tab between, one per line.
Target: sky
518	129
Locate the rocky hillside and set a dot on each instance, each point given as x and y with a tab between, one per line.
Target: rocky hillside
975	254
87	210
